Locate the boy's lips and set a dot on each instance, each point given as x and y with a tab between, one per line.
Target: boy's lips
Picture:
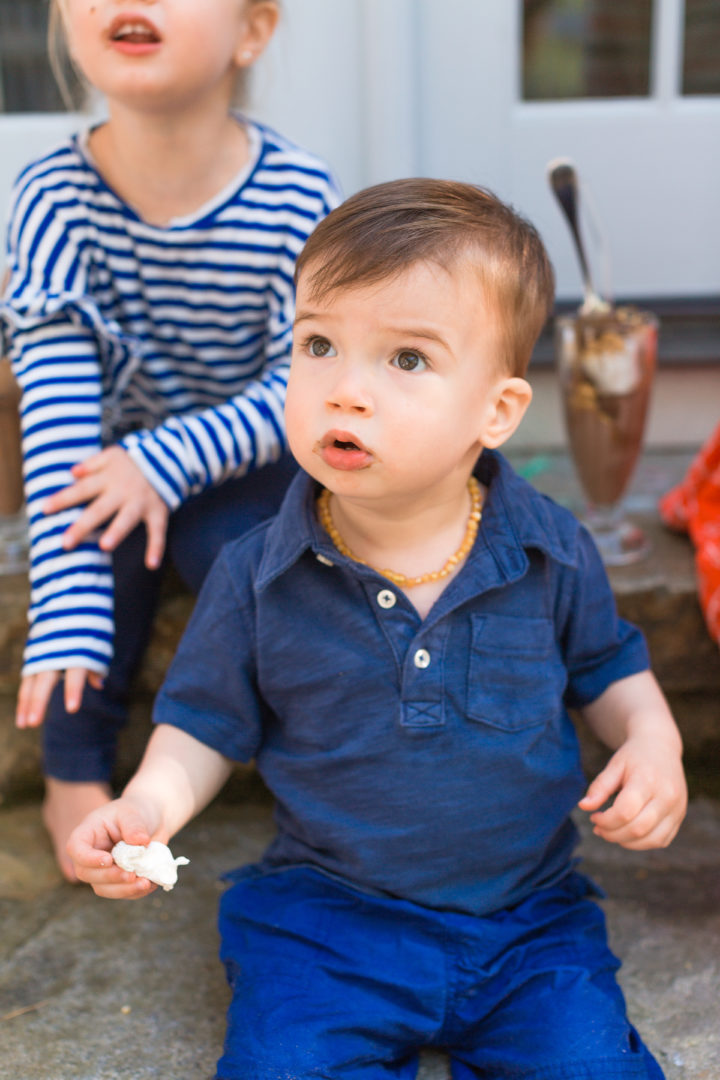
133	33
344	451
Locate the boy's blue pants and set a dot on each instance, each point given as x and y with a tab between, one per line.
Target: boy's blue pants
335	983
81	746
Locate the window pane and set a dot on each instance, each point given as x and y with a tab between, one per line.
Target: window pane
701	60
586	48
26	81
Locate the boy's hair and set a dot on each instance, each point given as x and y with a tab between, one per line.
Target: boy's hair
383	230
70	82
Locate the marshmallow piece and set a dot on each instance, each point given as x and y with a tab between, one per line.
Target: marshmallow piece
154	862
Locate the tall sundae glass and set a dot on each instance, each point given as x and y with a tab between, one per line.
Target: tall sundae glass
606	362
605	357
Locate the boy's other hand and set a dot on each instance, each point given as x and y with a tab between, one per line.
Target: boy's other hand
112	489
646	777
36	690
91	843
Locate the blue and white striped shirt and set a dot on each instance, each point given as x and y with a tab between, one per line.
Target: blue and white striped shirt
173	340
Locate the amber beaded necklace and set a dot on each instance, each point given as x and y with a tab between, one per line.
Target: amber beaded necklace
323	505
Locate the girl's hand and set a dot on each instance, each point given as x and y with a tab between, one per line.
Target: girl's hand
35	692
646	777
113	489
92	841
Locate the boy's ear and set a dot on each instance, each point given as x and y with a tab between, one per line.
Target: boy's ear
261	19
511	399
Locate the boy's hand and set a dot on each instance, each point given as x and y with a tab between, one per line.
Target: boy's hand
647	778
112	488
35	691
92	841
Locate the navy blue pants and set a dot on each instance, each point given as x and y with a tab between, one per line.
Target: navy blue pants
81	746
331	982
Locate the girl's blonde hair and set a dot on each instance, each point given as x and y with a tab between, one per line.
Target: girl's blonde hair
70	81
73	88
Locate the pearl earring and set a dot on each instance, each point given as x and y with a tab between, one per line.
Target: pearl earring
247	55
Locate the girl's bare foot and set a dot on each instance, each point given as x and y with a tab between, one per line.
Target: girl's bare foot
66	804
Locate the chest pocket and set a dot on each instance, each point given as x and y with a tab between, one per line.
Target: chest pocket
515	675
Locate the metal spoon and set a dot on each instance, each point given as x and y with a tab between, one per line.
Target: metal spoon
564	183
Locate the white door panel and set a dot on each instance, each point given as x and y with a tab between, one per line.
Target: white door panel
388	88
653	165
652	177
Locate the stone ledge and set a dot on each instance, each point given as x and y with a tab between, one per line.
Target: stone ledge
20	750
137	991
658	594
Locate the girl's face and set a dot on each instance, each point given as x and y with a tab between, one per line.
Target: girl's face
165	54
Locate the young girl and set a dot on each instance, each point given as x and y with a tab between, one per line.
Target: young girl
148	319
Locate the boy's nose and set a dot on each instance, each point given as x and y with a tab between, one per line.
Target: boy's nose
350	393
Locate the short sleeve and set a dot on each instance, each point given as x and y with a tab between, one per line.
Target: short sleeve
599	647
210	688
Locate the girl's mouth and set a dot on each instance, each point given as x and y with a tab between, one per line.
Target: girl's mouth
133	31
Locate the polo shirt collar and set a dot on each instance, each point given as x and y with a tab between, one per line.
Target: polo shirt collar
294	530
515	518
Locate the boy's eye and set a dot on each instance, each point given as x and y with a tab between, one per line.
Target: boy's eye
319	346
409	360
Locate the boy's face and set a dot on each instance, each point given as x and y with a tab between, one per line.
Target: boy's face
396	387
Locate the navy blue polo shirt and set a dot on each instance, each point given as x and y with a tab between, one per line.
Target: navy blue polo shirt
431	759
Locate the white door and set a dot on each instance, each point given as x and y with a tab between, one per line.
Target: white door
387	88
652	160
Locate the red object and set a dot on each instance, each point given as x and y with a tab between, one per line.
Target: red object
694	507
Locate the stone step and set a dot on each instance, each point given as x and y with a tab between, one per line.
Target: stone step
93	990
659	594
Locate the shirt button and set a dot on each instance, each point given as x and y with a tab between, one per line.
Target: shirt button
324	559
386	598
422	658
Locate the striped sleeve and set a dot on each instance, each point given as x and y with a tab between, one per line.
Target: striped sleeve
53	351
189	453
71	596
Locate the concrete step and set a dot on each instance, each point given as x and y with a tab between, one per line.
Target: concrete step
658	593
92	990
